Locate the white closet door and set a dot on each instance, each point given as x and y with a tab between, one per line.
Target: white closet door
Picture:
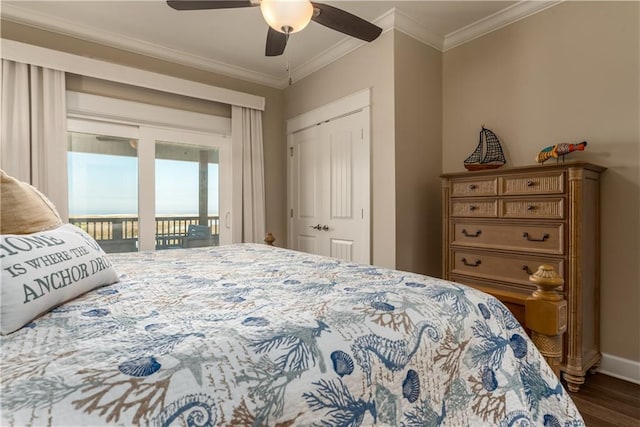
306	183
330	188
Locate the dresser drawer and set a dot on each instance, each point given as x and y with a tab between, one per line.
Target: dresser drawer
474	208
533	183
548	208
475	187
514	269
536	238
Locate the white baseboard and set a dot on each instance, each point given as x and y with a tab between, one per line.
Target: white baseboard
625	369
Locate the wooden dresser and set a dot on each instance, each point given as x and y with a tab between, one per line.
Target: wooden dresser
501	224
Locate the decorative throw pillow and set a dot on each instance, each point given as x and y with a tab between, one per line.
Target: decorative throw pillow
23	209
42	270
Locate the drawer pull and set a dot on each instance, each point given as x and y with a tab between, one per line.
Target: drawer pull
545	236
527	270
467	234
468	264
531	183
472	208
531	207
472	186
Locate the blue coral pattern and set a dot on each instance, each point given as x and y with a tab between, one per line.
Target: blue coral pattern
255	335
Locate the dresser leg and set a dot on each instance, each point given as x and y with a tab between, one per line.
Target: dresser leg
573	381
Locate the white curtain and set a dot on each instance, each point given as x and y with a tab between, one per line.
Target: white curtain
253	199
32	144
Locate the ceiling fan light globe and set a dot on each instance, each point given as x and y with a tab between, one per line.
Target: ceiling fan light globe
287	16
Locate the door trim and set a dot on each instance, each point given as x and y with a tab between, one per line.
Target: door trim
84	105
340	107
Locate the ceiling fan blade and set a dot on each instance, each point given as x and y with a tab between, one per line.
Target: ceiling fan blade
276	42
345	22
208	4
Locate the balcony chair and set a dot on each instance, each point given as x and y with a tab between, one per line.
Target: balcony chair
199	236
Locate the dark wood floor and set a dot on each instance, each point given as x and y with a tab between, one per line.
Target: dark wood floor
605	401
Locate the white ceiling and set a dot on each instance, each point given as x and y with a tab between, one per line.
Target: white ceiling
232	41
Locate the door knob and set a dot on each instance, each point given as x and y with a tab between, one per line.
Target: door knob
320	227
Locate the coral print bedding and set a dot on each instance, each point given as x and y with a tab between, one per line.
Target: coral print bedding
252	335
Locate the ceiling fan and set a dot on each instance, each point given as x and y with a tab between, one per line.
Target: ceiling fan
289	16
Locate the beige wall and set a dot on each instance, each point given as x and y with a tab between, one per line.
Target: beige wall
418	156
567	74
370	66
273	122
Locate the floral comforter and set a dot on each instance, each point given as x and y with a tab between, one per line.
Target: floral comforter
255	335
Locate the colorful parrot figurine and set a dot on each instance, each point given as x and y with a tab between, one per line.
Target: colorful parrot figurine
559	150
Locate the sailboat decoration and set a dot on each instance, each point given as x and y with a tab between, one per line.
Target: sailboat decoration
488	154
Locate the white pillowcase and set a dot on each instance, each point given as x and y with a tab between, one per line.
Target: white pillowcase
42	270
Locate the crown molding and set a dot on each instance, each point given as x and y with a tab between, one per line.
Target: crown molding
338	50
400	21
502	18
332	54
393	19
46	22
407	25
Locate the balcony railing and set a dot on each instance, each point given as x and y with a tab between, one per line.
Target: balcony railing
120	233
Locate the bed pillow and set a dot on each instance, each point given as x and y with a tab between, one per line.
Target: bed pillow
23	209
43	270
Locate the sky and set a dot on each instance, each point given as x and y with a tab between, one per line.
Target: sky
102	184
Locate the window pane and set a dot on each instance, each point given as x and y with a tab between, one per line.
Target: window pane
186	196
103	189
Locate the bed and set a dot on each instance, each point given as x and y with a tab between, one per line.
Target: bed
250	334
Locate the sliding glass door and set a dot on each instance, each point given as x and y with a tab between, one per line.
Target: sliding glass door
102	175
148	188
187	202
189	176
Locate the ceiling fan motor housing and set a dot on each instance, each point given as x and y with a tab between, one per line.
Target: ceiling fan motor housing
287	16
